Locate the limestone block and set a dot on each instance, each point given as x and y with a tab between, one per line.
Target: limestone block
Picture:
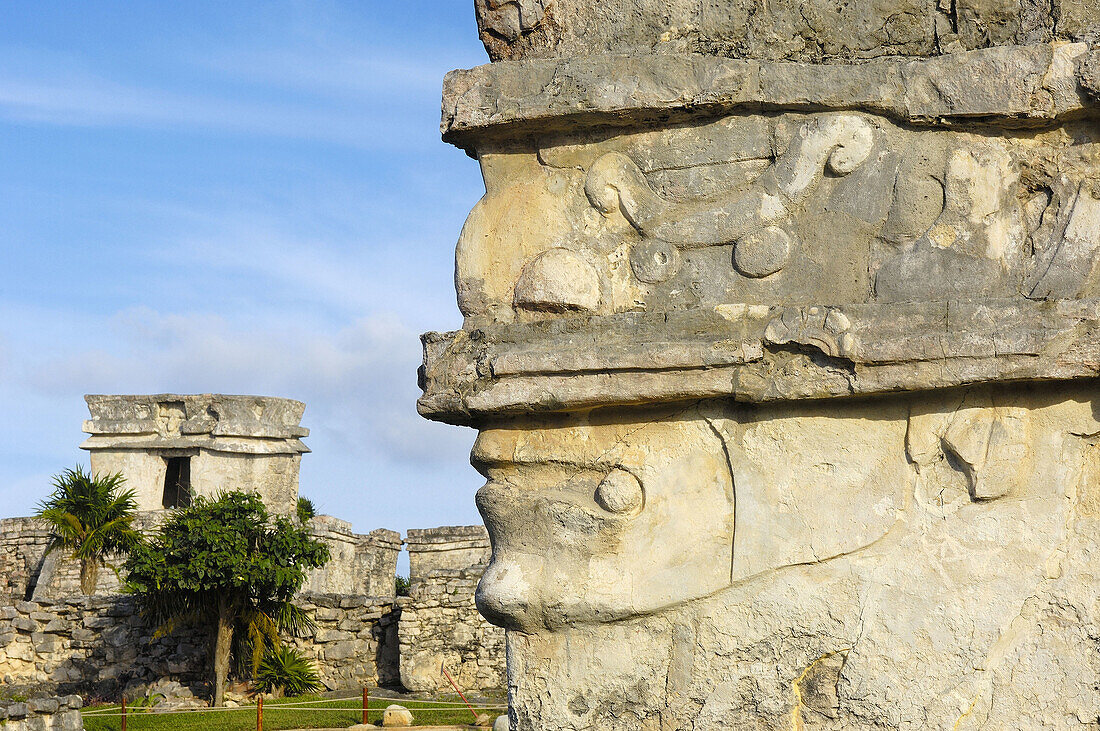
395	716
43	705
24	624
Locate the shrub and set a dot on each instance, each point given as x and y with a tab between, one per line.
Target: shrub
401	585
225	564
285	671
306	509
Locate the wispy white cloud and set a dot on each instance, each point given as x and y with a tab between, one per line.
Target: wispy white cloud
361	377
97	102
357	103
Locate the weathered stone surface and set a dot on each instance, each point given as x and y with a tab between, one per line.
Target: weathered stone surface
110	648
42	714
815	448
811	31
1013	86
361	565
229	442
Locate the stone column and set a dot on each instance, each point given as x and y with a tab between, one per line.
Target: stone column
781	336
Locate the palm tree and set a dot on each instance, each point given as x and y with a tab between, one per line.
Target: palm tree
92	517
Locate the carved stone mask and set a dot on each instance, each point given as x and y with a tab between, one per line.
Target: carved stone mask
596	521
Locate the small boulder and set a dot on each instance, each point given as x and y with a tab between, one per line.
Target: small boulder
484	720
396	717
501	724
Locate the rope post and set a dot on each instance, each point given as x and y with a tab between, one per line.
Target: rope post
260	714
365	706
123	713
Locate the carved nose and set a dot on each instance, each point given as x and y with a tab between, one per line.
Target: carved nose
558	280
503	596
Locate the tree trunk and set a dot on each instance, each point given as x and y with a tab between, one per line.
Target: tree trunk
223	641
89	575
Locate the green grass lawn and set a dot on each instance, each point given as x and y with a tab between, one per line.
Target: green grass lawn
345	713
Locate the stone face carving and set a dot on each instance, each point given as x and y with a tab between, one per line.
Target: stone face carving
784	372
838	144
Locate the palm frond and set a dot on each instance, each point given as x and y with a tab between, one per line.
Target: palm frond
90	515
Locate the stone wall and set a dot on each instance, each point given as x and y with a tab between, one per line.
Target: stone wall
42	714
22	547
91	645
364	565
100	646
361	564
440	624
355	643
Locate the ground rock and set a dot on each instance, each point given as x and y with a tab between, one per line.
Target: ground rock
395	716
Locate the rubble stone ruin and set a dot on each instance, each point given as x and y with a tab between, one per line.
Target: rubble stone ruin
781	336
174	448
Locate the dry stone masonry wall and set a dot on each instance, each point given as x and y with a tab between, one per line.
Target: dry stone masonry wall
23	543
42	714
363	565
440	625
101	646
781	336
355	643
95	645
98	645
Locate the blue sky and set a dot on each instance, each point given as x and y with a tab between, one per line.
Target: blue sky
245	197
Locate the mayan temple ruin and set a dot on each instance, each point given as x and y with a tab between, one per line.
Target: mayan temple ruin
172	448
781	336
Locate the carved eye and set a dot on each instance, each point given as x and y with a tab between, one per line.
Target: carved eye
620	492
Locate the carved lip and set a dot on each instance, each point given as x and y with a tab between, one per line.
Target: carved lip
573	505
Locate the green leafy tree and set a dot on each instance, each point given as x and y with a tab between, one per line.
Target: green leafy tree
91	517
229	566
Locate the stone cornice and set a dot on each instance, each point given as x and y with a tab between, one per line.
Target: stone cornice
754	354
1006	85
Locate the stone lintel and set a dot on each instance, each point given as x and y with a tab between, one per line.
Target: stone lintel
447	538
226	446
754	354
1007	86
